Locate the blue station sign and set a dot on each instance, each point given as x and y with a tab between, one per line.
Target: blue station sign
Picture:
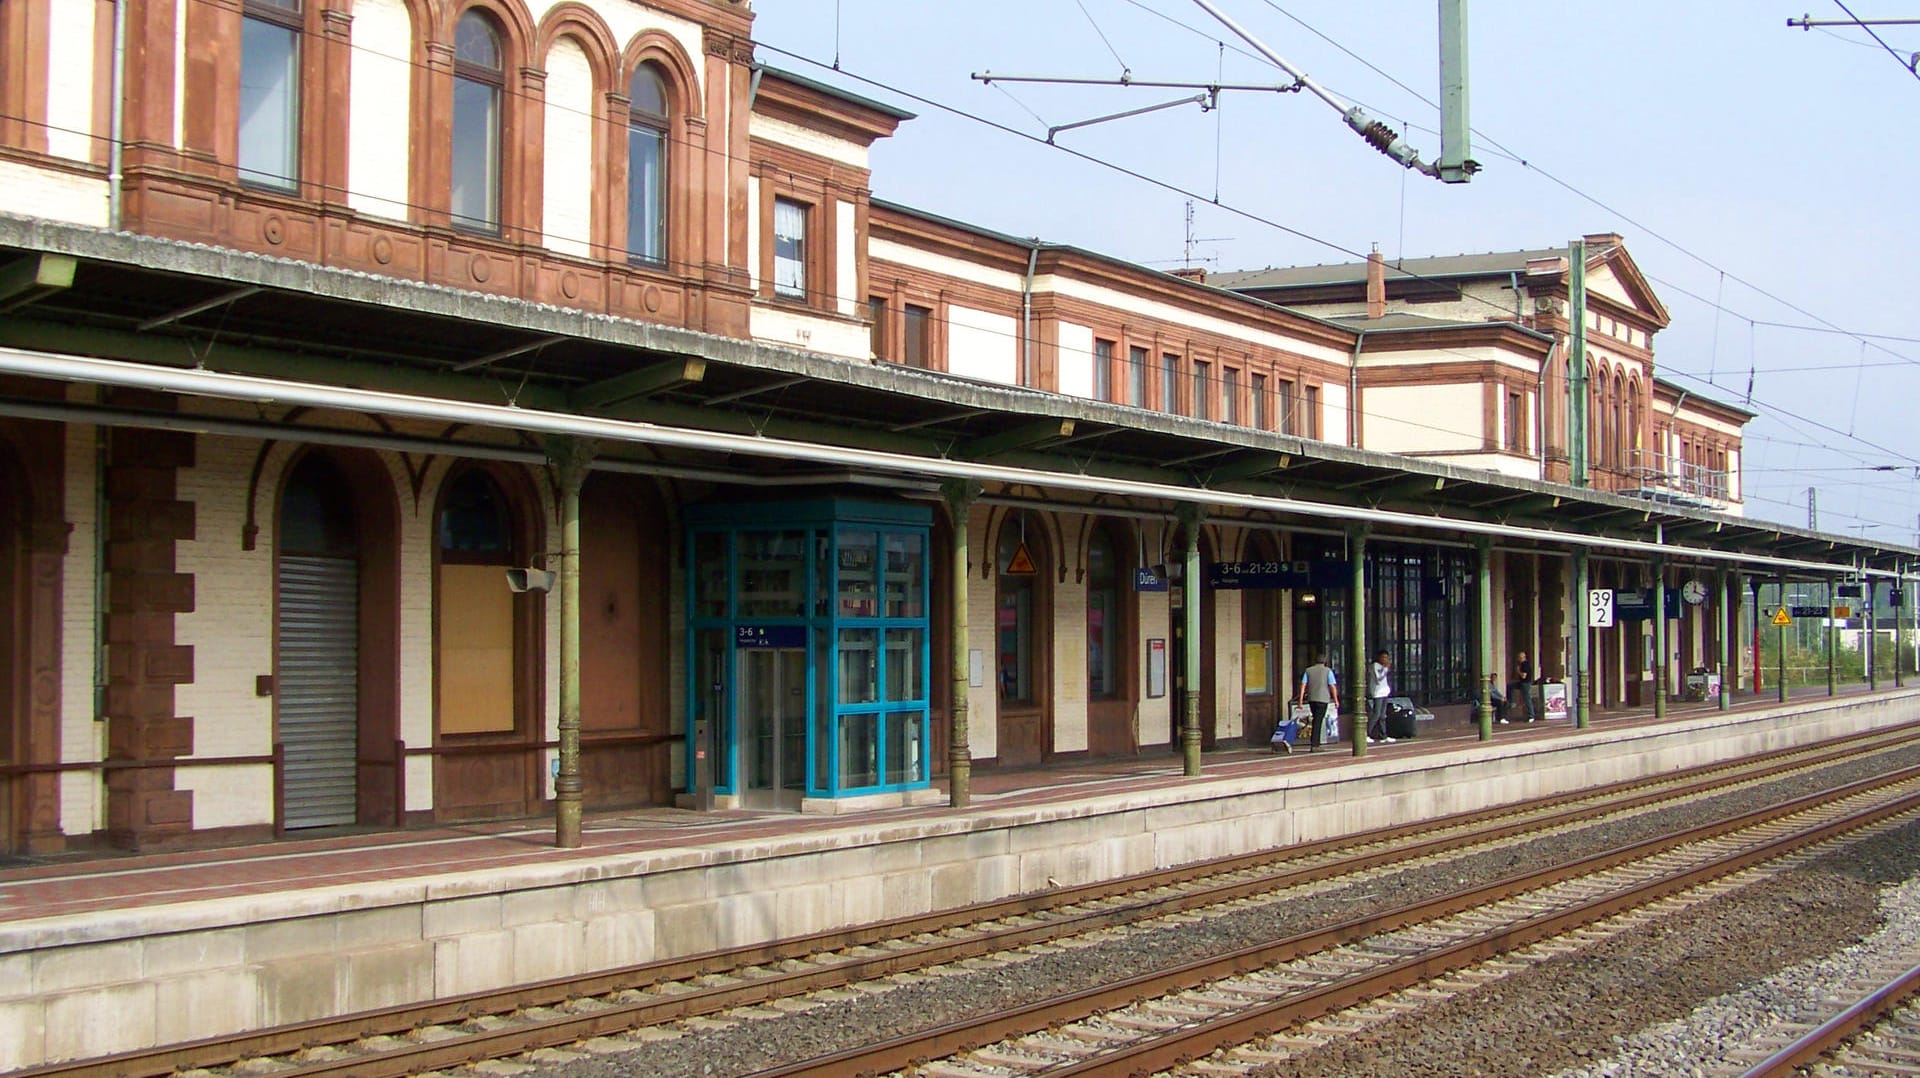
1270	575
770	636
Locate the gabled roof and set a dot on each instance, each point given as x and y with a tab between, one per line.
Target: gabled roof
1604	251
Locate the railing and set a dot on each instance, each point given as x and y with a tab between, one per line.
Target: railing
1655	473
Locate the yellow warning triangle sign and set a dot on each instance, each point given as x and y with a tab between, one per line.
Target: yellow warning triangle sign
1021	563
1781	618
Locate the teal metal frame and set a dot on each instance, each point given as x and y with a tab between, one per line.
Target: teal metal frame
848	708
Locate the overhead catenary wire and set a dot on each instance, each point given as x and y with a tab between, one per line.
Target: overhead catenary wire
1274	224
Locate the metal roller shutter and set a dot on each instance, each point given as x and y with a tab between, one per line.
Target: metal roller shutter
318	688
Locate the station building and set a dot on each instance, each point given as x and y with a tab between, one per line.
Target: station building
394	392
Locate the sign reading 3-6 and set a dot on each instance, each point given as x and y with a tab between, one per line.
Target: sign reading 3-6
1600	608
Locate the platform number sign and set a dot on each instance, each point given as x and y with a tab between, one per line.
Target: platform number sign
1600	608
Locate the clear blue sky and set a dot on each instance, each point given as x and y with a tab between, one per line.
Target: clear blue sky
1708	133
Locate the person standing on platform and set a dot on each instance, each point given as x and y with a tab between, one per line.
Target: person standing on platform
1378	689
1522	689
1317	686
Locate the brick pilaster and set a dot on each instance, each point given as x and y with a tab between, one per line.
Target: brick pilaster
144	593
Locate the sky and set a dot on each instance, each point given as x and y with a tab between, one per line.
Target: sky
1761	175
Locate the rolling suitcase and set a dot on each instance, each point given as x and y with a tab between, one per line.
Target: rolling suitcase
1400	722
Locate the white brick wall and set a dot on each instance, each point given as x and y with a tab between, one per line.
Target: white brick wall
983	707
82	793
57	196
70	81
231	632
568	186
1069	660
1156	714
382	74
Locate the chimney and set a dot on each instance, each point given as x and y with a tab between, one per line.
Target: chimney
1196	274
1376	284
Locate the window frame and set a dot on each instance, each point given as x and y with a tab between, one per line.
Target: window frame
1138	358
804	261
1103	350
1202	389
658	125
916	338
471	73
289	17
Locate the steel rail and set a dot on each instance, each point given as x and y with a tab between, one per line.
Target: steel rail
1839	1029
1363	851
1192	1042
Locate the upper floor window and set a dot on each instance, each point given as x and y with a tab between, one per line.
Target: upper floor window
1202	390
1169	382
789	249
647	167
269	147
1310	403
877	311
918	325
1289	409
1137	376
479	80
1257	389
1229	395
1103	370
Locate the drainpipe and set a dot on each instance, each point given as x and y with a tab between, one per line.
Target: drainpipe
116	109
1540	409
1026	316
1353	391
1519	305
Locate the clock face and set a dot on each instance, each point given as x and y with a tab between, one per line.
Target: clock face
1694	592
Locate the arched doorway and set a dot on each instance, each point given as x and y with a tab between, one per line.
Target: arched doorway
336	662
1023	639
485	658
1110	642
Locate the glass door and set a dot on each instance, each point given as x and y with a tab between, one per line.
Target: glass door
773	724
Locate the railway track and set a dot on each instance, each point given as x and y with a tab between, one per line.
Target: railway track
1879	1033
451	1032
1168	1019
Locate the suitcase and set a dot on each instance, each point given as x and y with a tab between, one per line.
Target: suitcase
1400	722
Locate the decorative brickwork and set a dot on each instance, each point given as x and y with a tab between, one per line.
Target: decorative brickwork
144	592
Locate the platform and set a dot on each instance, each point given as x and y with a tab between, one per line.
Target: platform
112	953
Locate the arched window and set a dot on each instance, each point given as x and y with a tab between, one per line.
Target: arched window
647	167
1619	422
479	83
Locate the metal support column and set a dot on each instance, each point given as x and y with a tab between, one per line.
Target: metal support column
1781	633
1357	640
1582	712
1484	601
959	494
570	458
1660	662
1190	586
1831	632
1873	625
1895	596
1728	627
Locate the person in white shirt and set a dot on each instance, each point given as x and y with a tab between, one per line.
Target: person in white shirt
1378	689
